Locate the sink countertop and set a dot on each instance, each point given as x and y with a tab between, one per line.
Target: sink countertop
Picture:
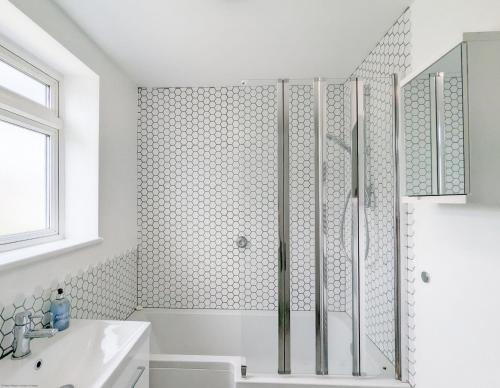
87	355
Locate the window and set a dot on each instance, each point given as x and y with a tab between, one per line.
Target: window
29	153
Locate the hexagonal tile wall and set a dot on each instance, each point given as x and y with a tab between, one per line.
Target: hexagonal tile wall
105	291
207	166
407	221
224	141
301	161
207	174
337	161
454	135
417	113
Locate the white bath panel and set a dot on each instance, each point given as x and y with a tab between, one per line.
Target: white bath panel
190	378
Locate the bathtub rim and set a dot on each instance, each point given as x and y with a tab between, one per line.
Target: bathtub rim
372	351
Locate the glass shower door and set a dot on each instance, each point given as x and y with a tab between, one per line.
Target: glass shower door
300	115
257	239
378	223
316	240
359	224
320	326
336	117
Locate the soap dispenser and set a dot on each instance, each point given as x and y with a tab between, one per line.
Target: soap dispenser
60	309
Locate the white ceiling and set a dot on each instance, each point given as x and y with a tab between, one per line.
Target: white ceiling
214	42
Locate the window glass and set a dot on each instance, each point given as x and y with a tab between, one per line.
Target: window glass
18	82
23	179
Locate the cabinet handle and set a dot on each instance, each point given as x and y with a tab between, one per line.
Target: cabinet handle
140	371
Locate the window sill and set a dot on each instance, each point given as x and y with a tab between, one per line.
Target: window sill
23	256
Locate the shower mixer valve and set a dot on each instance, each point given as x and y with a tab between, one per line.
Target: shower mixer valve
242	242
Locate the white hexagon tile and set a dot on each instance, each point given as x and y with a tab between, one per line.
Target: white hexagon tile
105	291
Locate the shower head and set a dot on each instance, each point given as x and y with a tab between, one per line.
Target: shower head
339	141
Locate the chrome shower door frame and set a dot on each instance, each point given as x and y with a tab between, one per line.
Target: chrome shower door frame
357	209
358	240
284	230
437	134
400	364
320	253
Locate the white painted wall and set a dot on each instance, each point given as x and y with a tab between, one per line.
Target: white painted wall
117	157
437	25
458	312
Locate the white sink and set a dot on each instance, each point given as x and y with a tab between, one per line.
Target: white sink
89	354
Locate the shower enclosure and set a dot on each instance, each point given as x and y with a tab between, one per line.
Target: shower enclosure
337	231
268	224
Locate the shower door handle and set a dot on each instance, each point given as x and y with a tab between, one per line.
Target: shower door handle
282	259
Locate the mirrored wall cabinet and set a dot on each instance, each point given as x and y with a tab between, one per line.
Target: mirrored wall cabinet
434	130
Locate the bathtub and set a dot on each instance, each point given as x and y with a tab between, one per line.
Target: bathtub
207	349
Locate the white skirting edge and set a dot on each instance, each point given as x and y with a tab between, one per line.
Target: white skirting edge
186	361
233	364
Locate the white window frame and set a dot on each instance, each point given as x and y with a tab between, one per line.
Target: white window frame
52	97
23	112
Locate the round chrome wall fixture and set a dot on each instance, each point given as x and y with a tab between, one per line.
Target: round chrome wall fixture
426	277
242	242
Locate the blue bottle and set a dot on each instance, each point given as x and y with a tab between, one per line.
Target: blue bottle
60	309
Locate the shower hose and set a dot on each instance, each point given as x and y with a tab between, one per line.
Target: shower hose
342	230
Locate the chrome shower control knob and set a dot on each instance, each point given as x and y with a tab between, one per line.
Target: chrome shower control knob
242	242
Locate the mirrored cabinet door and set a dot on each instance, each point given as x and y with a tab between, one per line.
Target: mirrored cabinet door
434	123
